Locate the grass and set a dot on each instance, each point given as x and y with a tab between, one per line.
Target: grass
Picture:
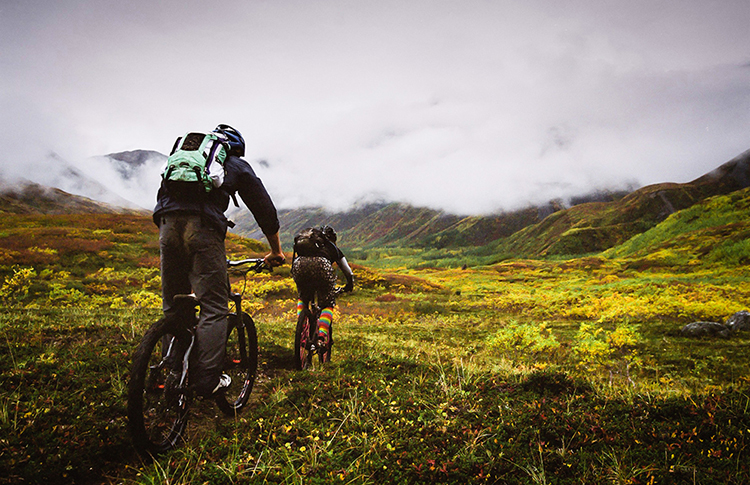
408	398
527	371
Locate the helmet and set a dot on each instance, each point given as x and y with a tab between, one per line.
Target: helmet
329	233
234	138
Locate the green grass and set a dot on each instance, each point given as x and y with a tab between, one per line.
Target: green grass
409	398
561	371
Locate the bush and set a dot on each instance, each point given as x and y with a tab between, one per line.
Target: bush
524	342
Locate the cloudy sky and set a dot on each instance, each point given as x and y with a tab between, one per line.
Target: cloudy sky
466	105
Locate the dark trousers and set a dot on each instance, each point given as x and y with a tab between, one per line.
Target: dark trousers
193	259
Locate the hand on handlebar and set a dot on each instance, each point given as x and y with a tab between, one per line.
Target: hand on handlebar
274	259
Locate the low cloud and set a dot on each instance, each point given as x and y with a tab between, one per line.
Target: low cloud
470	107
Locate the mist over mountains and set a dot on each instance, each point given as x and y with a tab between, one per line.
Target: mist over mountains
128	181
583	224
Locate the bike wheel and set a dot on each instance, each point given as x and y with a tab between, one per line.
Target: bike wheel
326	355
240	363
303	342
157	406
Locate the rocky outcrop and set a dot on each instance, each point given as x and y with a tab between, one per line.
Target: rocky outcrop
706	329
738	322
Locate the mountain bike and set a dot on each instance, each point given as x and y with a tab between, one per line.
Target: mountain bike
306	343
159	391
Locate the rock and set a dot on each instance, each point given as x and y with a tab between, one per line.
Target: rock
705	329
739	321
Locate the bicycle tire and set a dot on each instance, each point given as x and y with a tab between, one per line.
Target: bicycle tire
240	363
326	356
302	342
157	409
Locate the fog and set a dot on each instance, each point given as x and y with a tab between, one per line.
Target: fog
471	106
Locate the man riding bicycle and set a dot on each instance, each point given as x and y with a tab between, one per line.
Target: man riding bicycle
193	257
315	251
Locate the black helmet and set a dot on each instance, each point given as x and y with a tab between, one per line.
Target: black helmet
234	138
329	233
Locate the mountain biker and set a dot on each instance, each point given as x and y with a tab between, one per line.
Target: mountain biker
313	274
193	256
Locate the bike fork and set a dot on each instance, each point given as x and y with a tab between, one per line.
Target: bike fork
185	359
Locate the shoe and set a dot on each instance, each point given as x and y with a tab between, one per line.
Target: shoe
224	382
322	342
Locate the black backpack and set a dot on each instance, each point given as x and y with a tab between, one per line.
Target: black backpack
310	242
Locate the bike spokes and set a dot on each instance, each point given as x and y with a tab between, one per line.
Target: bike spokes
157	402
304	345
240	363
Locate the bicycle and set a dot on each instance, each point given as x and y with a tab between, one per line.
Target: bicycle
306	345
159	393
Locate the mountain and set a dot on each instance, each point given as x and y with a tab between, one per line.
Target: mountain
597	226
131	175
32	198
132	163
592	223
396	224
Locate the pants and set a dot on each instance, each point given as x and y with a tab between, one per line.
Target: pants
193	259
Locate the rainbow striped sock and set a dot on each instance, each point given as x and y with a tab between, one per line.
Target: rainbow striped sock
324	322
300	307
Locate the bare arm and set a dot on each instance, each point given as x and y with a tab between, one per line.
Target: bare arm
276	256
347	270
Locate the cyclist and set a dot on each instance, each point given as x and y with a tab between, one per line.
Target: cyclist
315	251
193	256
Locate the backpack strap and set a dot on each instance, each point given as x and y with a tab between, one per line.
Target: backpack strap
212	155
176	144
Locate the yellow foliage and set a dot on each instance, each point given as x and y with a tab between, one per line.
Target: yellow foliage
16	287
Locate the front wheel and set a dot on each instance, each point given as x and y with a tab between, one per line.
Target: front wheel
240	363
157	404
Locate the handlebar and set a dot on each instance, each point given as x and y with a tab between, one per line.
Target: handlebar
256	264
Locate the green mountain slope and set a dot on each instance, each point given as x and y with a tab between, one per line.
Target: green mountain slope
715	230
594	227
399	225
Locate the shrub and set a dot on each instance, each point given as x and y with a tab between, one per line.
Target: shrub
599	349
524	342
16	287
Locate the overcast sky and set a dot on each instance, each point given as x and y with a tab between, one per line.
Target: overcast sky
466	105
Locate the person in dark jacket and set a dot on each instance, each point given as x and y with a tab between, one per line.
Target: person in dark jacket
193	256
314	274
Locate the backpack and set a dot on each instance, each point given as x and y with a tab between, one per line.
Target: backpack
196	164
310	242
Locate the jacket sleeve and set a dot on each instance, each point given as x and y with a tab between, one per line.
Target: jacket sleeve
254	194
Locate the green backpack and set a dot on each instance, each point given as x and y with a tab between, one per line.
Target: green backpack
196	164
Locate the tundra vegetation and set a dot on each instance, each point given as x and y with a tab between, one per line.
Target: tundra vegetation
448	366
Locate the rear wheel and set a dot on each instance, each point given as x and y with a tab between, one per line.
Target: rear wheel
240	363
157	405
302	342
326	356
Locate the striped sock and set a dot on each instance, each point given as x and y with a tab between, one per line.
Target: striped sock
300	307
324	322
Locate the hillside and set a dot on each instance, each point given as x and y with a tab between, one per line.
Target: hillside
438	376
31	198
593	223
396	224
597	226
